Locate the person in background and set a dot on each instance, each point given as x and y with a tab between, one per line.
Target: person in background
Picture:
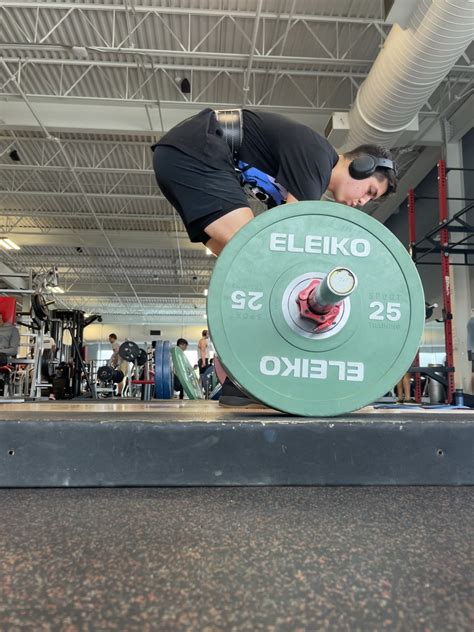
9	343
117	362
49	352
9	338
203	352
403	389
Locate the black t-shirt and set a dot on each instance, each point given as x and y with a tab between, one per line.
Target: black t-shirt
295	155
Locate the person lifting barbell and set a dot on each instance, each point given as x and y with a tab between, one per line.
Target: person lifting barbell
117	362
207	166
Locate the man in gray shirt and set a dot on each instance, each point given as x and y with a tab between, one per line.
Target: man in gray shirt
9	338
9	343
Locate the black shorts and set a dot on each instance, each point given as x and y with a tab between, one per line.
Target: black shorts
199	192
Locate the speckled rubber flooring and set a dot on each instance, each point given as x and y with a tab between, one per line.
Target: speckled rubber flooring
276	559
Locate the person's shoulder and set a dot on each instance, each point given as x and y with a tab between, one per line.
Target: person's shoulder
316	147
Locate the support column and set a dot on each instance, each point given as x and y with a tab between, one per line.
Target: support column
459	275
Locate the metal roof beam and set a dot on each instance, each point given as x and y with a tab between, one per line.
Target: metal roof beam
92	238
164	10
218	56
33	61
79	194
114	116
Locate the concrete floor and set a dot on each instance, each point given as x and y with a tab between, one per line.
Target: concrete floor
209	559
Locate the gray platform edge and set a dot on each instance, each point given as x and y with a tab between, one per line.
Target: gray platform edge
194	453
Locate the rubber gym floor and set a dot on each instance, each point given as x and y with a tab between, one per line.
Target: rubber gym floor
226	558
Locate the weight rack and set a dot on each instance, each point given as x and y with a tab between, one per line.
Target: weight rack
436	246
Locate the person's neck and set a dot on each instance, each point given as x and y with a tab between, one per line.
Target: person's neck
335	174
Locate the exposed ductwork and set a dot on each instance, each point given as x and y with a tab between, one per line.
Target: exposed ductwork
408	70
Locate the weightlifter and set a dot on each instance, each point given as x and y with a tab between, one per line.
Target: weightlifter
207	166
203	352
117	362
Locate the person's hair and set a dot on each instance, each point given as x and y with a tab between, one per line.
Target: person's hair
114	336
181	341
204	332
377	151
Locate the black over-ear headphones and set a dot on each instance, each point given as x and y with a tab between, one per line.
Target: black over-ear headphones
365	166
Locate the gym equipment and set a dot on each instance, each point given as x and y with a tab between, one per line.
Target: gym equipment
209	381
186	374
163	370
39	307
117	376
197	443
215	394
39	312
47	366
105	373
315	309
129	351
167	368
142	357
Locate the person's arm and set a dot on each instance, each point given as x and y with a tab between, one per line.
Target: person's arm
290	199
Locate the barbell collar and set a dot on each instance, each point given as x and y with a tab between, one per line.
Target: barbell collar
337	285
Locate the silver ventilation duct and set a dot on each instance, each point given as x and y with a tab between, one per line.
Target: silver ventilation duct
409	68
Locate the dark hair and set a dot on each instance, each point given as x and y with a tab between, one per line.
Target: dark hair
114	336
377	151
204	332
181	341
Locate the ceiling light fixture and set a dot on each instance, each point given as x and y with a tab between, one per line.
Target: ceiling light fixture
8	244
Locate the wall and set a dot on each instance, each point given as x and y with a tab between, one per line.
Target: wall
96	335
99	332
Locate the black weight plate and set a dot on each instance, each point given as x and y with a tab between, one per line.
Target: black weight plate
167	372
129	351
142	357
39	308
105	373
117	376
159	369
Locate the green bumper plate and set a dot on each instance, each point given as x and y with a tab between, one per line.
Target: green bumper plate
186	375
272	352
